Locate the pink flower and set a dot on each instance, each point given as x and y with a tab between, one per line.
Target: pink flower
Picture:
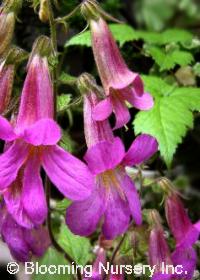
6	82
120	84
23	243
114	198
35	139
161	259
185	233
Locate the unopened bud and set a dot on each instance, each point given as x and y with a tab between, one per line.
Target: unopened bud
7	24
44	11
6	85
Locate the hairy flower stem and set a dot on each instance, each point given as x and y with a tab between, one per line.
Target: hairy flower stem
52	24
116	250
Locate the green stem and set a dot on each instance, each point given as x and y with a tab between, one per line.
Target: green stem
52	24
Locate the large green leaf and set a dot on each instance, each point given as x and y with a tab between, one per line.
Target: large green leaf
77	247
122	33
171	116
168	60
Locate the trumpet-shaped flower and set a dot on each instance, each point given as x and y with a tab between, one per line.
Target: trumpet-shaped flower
34	145
23	243
164	263
114	198
120	84
185	233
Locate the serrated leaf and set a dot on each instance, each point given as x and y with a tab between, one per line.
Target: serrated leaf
77	247
168	60
166	37
122	33
52	257
170	117
67	79
62	101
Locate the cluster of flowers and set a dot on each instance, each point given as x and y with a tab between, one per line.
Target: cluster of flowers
102	192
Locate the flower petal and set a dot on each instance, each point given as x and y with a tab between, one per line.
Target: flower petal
6	130
10	163
70	175
83	217
142	148
142	102
117	215
12	197
121	111
187	258
43	132
104	155
102	110
38	240
33	197
133	199
12	234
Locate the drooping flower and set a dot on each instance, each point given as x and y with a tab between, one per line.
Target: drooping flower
23	243
114	198
35	137
163	261
158	252
6	83
187	258
184	232
120	83
100	259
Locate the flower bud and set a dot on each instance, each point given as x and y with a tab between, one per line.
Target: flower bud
43	11
7	24
158	252
6	84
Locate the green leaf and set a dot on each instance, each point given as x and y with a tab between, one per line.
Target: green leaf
168	60
166	37
52	257
77	247
67	79
67	143
171	116
122	33
62	101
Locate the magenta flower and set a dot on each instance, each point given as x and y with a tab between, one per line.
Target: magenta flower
6	82
120	84
114	198
100	259
186	257
185	233
159	253
160	256
35	139
23	243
